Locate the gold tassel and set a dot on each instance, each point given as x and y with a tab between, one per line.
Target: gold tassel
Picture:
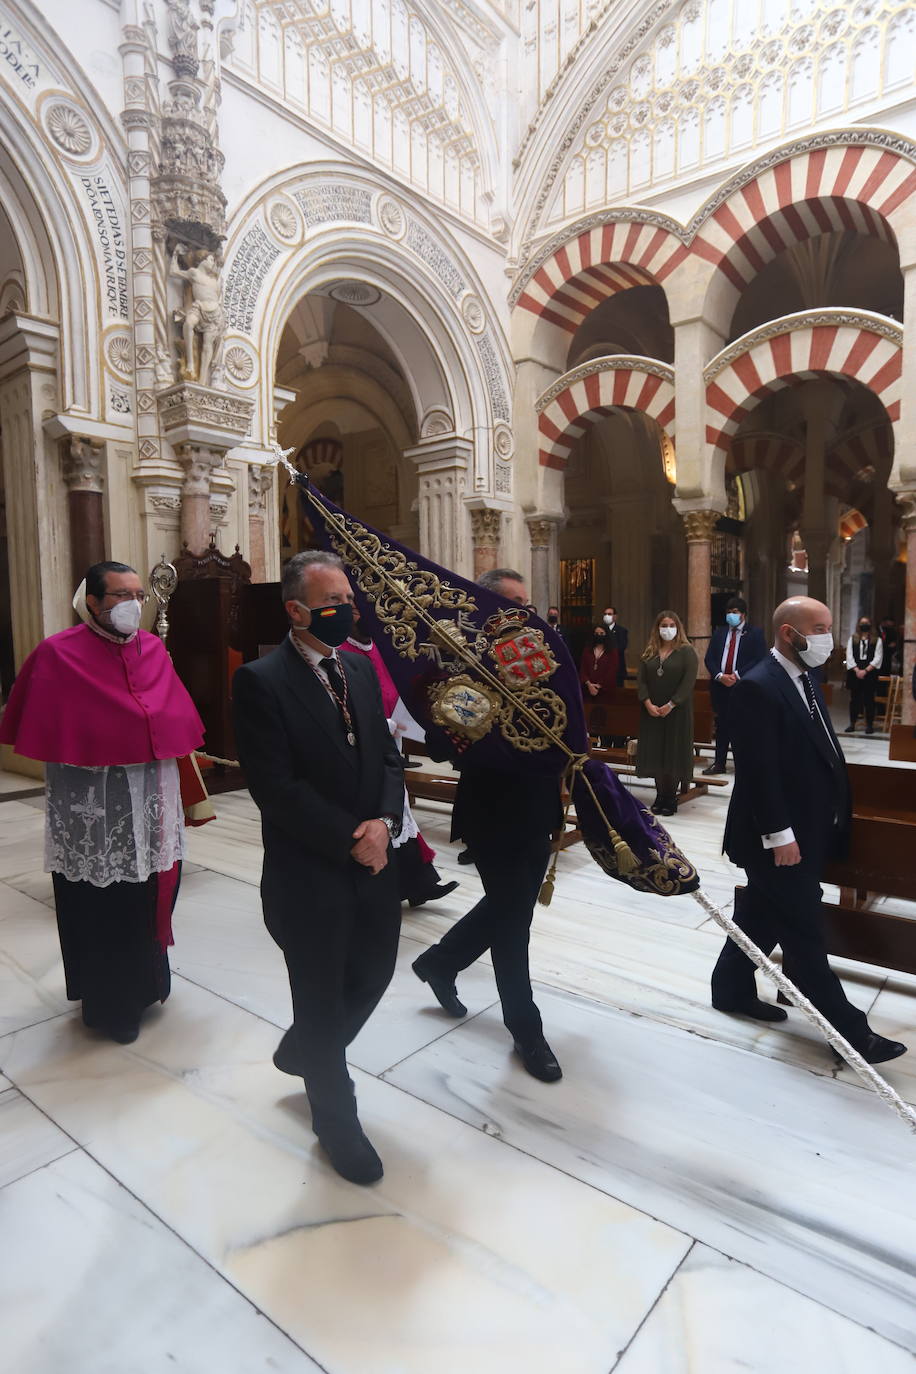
545	896
626	859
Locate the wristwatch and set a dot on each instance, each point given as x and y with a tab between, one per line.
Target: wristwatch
390	823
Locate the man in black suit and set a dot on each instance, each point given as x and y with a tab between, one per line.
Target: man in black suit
618	637
733	650
327	778
506	818
790	812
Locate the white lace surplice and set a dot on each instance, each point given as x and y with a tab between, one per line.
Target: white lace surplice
113	825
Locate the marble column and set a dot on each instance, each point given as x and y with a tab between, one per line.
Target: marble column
541	534
908	500
260	482
486	526
699	526
83	462
443	464
199	463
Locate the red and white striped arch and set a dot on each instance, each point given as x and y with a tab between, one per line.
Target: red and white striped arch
775	453
850	186
591	391
596	264
795	354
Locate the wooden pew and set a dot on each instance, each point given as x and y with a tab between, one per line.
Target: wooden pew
621	717
881	862
902	745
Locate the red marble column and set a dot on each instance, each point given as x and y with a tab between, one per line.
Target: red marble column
699	526
198	462
83	464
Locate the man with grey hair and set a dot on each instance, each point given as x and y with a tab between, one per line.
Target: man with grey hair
507	820
789	813
326	775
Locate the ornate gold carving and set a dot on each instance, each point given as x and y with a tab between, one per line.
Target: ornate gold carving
522	732
699	525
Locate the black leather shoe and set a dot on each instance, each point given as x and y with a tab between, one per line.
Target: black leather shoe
442	988
850	730
122	1035
285	1057
539	1060
437	891
755	1009
466	857
869	729
351	1154
877	1050
713	769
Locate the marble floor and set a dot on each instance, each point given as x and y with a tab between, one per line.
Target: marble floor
699	1195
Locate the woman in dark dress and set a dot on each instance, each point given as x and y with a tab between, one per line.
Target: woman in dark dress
664	681
598	669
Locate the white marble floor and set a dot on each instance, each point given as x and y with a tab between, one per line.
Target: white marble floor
697	1196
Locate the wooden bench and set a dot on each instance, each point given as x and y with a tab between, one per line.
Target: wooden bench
902	745
881	862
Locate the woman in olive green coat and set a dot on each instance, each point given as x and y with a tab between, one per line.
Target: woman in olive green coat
667	672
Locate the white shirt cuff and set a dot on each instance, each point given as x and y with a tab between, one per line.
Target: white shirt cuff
778	837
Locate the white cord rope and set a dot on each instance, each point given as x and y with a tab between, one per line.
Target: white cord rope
830	1033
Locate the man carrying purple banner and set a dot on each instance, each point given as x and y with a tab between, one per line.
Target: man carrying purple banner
506	817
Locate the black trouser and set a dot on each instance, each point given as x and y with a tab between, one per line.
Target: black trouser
862	697
340	959
720	708
782	906
511	871
113	962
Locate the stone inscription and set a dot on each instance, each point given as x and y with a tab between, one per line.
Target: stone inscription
494	374
256	255
16	59
426	247
108	230
325	204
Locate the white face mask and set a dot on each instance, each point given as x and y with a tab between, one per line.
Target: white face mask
667	631
608	620
125	617
817	651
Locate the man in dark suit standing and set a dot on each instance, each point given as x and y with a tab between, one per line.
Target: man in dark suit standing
327	778
790	812
618	637
506	818
733	650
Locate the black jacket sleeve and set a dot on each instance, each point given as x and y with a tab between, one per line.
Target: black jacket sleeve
291	804
754	724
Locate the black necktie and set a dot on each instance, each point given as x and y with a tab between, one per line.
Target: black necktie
815	711
332	672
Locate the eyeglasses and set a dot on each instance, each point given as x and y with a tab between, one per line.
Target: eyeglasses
142	597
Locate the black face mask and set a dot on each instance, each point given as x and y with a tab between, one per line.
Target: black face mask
332	624
552	619
864	629
599	639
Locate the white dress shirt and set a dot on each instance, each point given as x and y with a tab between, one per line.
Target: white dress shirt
313	656
737	631
876	661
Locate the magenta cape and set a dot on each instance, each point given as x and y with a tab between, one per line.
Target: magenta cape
82	700
385	680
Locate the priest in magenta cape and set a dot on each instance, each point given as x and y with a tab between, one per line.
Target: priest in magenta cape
101	705
481	674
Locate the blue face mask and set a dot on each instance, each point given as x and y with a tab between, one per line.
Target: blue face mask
331	624
733	618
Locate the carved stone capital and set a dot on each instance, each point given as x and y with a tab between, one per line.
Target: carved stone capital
199	463
192	414
539	531
260	481
485	527
700	524
83	461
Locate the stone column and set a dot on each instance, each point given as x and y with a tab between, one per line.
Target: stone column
199	463
443	464
908	500
699	526
260	482
541	532
83	463
36	504
486	526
